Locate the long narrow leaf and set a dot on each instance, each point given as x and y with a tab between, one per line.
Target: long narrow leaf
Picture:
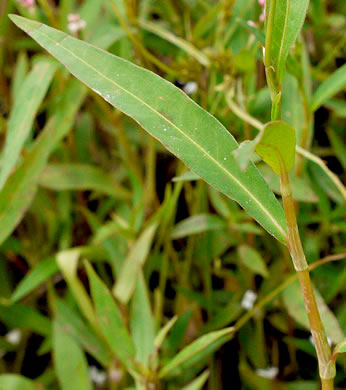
15	382
335	83
169	115
22	116
19	190
195	348
81	332
110	319
41	273
81	177
142	323
288	20
70	362
126	283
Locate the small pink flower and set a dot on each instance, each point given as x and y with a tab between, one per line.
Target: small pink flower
262	3
75	23
251	23
27	3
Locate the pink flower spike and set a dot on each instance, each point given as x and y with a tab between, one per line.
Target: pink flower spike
262	3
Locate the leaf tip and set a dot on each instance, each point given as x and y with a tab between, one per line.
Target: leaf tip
24	24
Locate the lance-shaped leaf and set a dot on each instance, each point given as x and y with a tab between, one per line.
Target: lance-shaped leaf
200	347
82	177
23	114
288	19
14	381
335	83
70	362
183	127
340	348
278	142
110	319
20	188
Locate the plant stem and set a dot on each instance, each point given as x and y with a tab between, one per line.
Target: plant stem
272	81
274	293
326	366
327	384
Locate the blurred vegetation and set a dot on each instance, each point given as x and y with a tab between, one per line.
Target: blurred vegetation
91	206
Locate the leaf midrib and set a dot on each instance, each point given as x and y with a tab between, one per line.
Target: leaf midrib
169	122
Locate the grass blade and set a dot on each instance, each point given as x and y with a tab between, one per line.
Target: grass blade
25	317
195	348
70	362
142	323
164	111
44	270
19	190
110	319
198	383
15	382
24	111
126	282
197	224
80	331
335	83
61	177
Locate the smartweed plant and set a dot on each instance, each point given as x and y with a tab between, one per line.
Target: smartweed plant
202	143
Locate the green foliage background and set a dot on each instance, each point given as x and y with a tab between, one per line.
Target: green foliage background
113	254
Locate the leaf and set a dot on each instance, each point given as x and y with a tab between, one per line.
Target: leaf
339	146
110	320
16	382
325	179
20	188
294	302
20	72
43	271
289	16
142	323
127	279
334	84
24	317
277	143
69	361
198	383
184	45
163	332
105	34
197	224
187	176
24	111
292	107
61	177
79	330
338	106
340	347
170	116
252	260
195	348
301	385
68	263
